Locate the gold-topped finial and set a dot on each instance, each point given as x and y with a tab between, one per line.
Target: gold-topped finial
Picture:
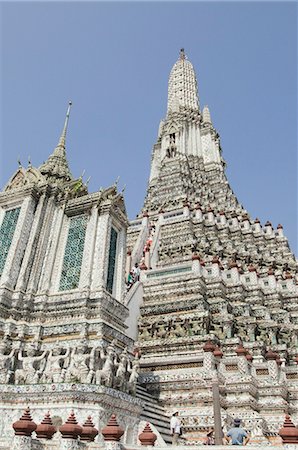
182	54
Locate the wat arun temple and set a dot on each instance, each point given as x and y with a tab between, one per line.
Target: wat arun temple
206	326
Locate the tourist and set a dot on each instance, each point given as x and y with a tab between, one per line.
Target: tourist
130	280
237	435
175	428
210	438
136	272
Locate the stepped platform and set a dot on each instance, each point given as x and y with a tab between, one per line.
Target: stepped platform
154	413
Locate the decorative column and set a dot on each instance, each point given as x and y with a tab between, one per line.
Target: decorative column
46	429
23	429
253	274
234	271
272	364
242	361
112	434
199	214
147	437
271	278
196	265
186	208
215	267
100	252
208	361
70	431
235	223
210	215
223	219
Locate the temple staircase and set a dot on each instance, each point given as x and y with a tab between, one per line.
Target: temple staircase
155	414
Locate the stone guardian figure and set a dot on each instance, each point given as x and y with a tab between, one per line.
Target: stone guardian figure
54	371
6	363
30	373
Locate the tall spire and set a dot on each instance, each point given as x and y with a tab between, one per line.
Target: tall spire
63	135
183	87
56	167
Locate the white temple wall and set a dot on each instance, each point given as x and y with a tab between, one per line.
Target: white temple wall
19	241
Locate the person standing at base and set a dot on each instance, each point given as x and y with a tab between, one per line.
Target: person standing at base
175	428
237	435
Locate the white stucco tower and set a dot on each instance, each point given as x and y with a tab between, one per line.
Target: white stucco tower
62	312
211	277
186	131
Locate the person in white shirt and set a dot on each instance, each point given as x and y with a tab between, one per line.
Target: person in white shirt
136	272
175	428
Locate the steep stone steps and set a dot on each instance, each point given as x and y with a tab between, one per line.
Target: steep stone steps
155	414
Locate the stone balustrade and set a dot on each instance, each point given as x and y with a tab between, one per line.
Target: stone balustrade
73	436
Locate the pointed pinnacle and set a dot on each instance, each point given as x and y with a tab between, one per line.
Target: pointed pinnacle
63	135
182	54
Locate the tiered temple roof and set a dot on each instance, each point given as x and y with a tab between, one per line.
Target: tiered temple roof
213	273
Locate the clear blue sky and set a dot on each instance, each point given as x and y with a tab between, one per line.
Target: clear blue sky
113	60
